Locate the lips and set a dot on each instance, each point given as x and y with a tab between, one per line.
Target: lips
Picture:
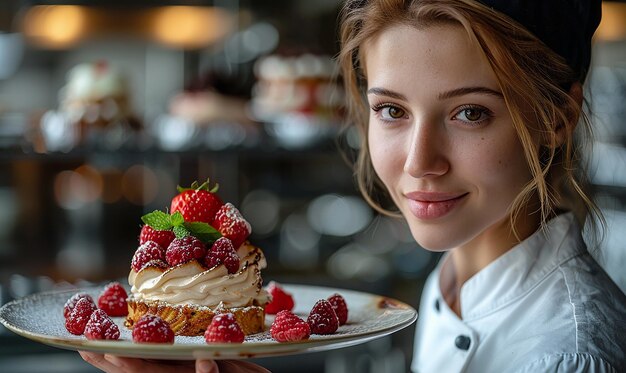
433	205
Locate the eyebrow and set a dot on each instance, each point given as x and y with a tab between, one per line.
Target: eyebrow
468	90
385	92
442	96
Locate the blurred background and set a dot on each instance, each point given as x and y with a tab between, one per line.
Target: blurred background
105	106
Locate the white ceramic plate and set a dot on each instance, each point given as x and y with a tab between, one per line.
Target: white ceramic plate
40	317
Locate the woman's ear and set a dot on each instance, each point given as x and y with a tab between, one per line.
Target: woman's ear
563	131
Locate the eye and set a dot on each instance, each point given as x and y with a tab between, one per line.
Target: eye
389	112
472	114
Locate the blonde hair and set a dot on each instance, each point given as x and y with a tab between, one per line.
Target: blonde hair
530	75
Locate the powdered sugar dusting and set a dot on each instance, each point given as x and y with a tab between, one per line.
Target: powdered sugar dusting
40	317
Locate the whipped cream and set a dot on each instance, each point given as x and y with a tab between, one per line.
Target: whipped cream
191	283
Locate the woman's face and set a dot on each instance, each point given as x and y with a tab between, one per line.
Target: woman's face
441	138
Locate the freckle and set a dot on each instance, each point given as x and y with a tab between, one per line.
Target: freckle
499	162
482	138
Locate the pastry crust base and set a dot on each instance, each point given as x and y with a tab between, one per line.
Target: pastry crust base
193	320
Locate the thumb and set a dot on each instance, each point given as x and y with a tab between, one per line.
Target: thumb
206	366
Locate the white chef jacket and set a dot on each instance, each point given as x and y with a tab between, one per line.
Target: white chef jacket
543	306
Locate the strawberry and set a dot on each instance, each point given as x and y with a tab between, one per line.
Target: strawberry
163	238
147	252
230	223
223	252
100	326
197	204
183	250
78	318
340	307
322	318
288	327
113	300
152	329
224	329
281	300
71	303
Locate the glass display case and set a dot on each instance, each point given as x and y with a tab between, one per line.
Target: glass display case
100	123
107	106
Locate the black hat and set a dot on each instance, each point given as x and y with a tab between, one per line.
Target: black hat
566	26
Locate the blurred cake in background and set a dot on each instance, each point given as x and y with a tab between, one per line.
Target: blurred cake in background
299	98
96	94
94	106
210	112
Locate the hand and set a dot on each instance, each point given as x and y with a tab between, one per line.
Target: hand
115	364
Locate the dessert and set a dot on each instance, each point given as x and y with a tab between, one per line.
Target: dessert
298	98
94	108
97	94
208	269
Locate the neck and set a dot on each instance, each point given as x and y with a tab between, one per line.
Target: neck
470	258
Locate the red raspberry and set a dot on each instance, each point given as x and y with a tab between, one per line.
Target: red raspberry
281	300
71	303
152	329
78	318
183	250
163	238
340	307
223	252
157	263
113	300
224	329
100	326
322	318
288	327
230	223
148	251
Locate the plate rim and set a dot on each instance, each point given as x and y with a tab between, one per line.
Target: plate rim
189	351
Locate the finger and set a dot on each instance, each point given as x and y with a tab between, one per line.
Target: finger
99	361
134	365
239	366
206	366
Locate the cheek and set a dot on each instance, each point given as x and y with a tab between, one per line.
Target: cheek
386	157
502	168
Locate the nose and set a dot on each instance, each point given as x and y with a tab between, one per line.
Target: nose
426	155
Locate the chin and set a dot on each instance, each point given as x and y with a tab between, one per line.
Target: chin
435	246
435	240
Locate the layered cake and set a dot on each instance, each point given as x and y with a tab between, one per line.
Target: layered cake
195	263
97	94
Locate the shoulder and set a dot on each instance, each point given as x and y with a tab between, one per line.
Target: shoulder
597	309
568	362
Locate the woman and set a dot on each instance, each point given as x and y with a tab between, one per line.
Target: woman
467	110
473	106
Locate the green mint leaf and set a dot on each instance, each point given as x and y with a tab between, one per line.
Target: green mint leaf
203	231
177	219
180	231
158	220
